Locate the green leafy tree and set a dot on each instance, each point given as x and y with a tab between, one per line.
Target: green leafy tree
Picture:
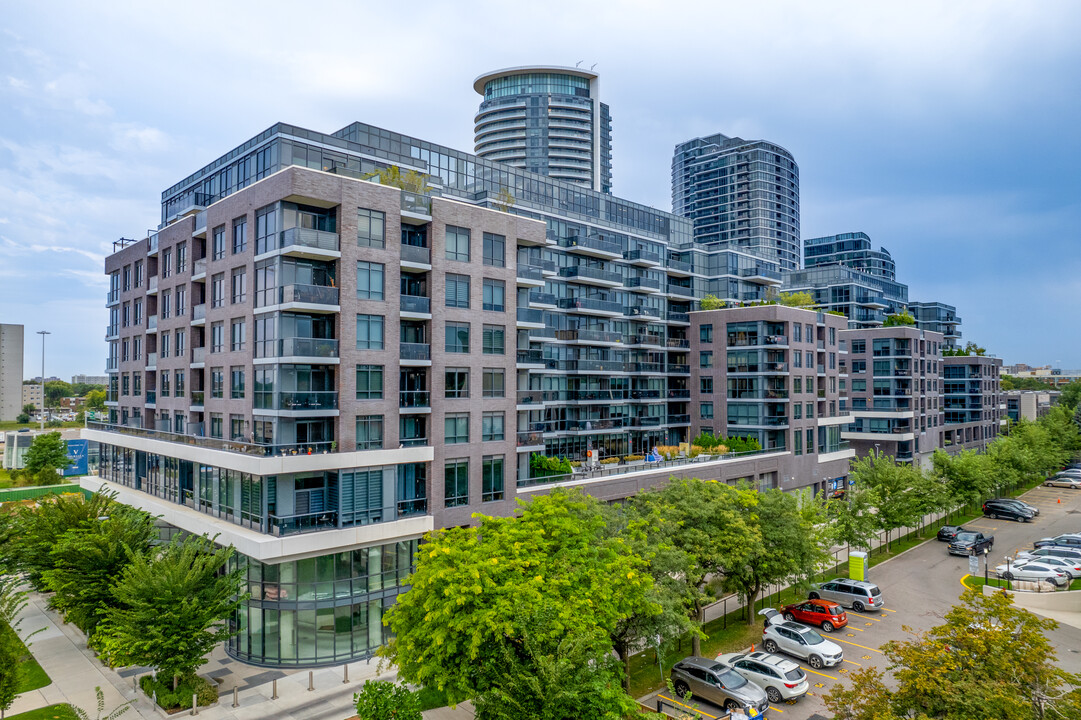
465	609
854	521
796	299
892	484
504	200
1010	382
711	302
28	409
47	454
899	319
54	391
87	560
95	400
382	700
22	418
1071	395
12	602
101	715
393	176
989	661
713	525
171	608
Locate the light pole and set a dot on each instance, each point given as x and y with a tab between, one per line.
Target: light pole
43	333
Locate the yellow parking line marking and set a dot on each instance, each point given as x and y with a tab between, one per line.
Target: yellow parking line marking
853	663
853	627
776	708
676	702
822	674
846	642
865	617
888	610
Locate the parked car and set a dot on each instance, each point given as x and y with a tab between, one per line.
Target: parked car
1073	554
1069	540
971	543
1071	567
1070	482
1033	571
780	678
802	642
1069	471
1019	503
946	533
710	680
996	509
770	616
856	594
826	614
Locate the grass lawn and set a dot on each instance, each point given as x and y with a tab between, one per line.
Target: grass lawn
53	712
5	479
12	425
33	677
973	581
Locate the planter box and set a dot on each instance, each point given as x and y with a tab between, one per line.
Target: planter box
177	713
632	463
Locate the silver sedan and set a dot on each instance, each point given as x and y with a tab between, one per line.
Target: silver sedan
1064	481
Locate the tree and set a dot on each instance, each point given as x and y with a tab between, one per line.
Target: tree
54	390
22	418
28	409
171	608
989	661
1010	382
87	560
393	176
95	400
47	454
479	593
1071	395
892	484
796	299
711	524
711	302
504	200
382	700
899	319
12	602
854	520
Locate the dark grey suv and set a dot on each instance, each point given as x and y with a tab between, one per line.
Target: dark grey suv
711	681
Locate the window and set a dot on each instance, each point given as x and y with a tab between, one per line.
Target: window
810	442
139	273
457	382
369	432
165	344
707	410
217	290
217	382
369	281
495	251
491	428
495	292
456	483
236	428
810	360
491	478
181	301
164	383
236	382
369	382
859	346
493	340
217	337
705	333
137	312
266	229
215	425
178	391
124	384
833	336
797	412
706	386
797	359
181	339
136	348
859	366
457	337
218	247
798	437
797	332
494	383
126	315
370	228
369	332
166	304
705	359
457	290
456	428
182	257
136	383
240	285
240	235
457	243
166	263
797	385
237	335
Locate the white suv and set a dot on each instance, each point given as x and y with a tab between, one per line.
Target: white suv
781	678
802	642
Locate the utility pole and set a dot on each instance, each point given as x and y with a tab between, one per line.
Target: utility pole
43	333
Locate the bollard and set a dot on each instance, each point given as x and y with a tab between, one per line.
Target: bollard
274	690
236	691
725	611
154	697
194	704
311	680
345	679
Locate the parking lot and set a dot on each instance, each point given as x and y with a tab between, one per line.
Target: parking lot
919	587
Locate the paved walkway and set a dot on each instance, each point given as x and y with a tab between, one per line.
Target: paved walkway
75	671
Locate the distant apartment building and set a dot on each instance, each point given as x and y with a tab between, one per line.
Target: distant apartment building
938	317
772	373
894	388
1029	405
31	394
974	409
741	192
11	371
89	379
863	299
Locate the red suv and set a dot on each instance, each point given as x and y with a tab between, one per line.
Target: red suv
825	613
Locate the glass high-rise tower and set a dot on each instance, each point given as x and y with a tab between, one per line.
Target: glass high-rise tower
743	192
548	120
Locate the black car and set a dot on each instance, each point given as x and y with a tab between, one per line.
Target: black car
946	533
971	543
1007	510
1020	503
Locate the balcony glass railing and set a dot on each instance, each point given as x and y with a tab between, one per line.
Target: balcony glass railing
112	297
152	322
152	397
414	399
416	304
236	446
680	290
306	238
641	311
594	242
198	355
679	368
679	419
640	282
530	315
198	397
530	357
416	203
585	335
677	343
415	351
642	256
198	312
414	441
111	331
678	394
151	359
680	317
310	294
319	400
585	303
585	271
679	265
416	254
541	298
308	347
313	522
529	272
199	267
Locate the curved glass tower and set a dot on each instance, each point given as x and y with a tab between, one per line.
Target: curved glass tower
547	120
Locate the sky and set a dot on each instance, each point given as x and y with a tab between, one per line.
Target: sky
947	131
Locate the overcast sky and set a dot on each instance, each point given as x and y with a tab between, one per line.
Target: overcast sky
947	131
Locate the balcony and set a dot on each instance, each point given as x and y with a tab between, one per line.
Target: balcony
602	337
197	398
679	267
112	332
415	255
529	275
530	440
643	284
679	369
414	399
416	305
678	394
644	367
679	317
530	317
300	347
761	275
152	284
680	291
677	343
308	243
768	421
151	360
307	401
642	311
152	397
586	366
415	353
530	357
235	446
765	367
313	295
416	208
642	257
198	314
112	298
647	339
152	244
542	298
679	419
591	276
151	323
591	306
198	356
594	245
198	269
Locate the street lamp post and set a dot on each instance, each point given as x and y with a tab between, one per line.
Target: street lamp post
43	333
1008	575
